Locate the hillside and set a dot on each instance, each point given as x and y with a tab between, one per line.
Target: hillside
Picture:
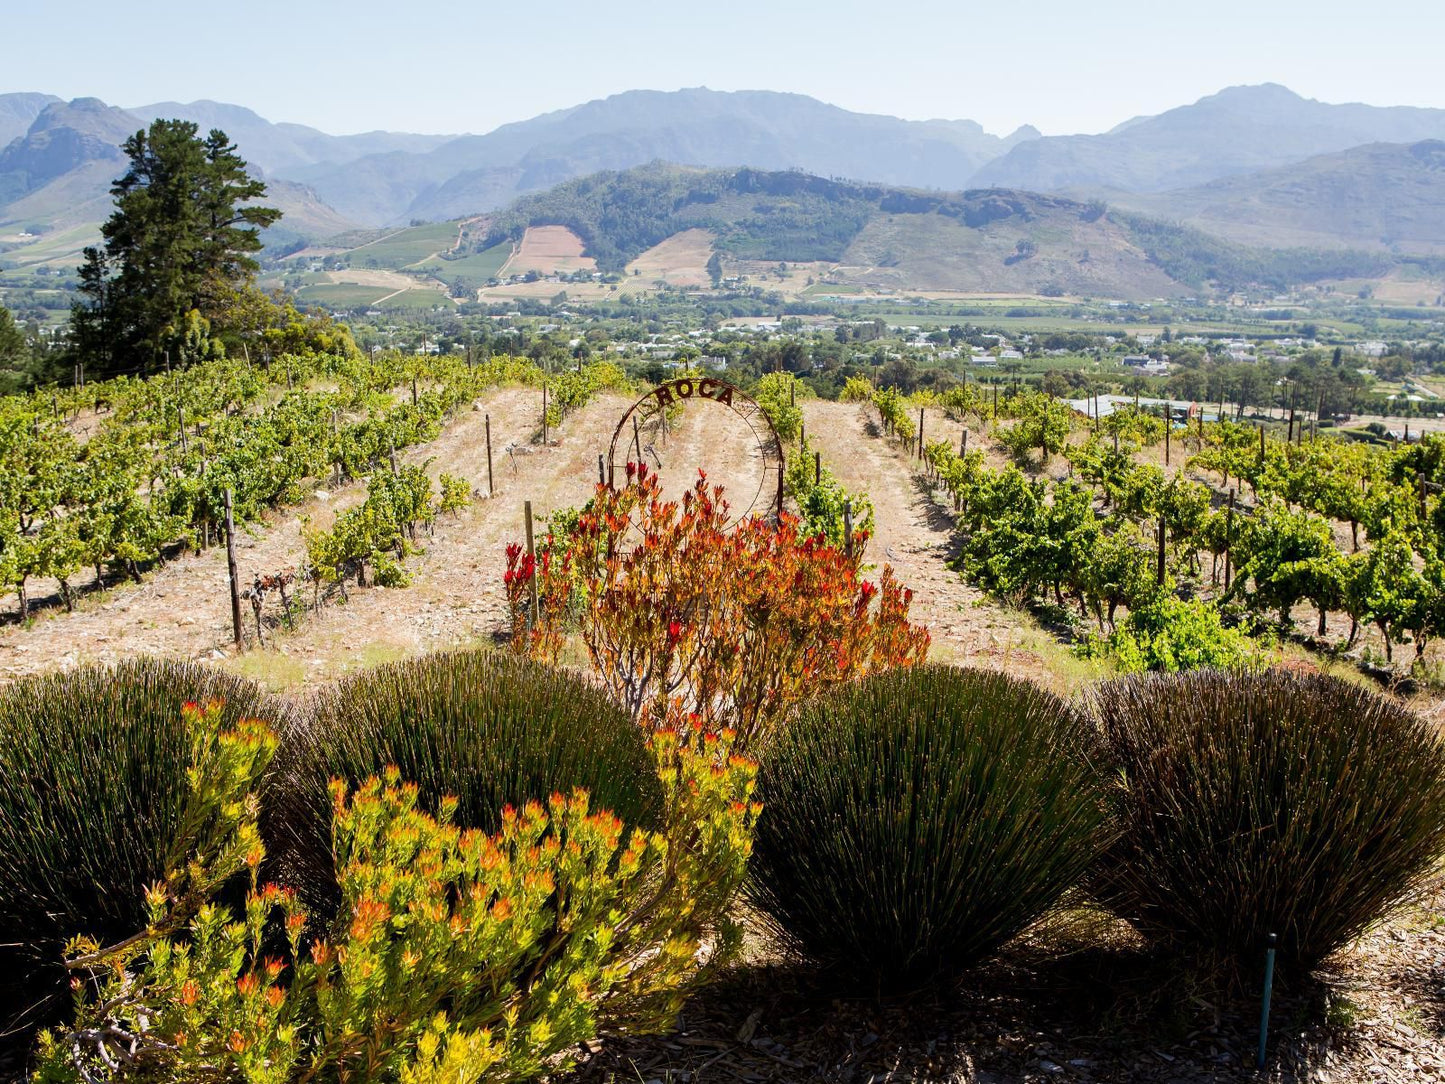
889	239
697	127
1239	130
64	136
1250	146
55	183
1384	196
282	149
18	113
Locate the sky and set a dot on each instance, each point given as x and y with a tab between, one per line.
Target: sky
1063	67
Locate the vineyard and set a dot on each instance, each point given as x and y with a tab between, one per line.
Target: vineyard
1242	546
1202	559
117	477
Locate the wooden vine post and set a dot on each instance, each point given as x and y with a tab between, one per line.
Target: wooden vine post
920	432
490	488
1228	537
532	560
236	630
1159	574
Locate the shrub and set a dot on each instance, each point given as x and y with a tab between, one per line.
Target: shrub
777	393
1264	803
687	616
461	955
93	793
484	728
1171	634
821	501
915	821
1043	423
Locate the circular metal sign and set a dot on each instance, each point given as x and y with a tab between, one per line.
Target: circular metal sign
646	421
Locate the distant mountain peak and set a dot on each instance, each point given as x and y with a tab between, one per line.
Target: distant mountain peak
18	112
1255	92
1239	130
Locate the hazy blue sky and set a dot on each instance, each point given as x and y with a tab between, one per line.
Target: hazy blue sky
1063	66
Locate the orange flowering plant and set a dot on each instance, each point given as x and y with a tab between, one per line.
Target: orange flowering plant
456	956
685	615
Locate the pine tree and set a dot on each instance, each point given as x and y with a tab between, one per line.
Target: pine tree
180	242
14	355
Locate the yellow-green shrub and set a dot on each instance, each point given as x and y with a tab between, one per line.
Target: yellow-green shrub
458	955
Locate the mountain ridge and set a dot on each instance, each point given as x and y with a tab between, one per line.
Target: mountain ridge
883	237
57	175
694	126
1239	130
1379	196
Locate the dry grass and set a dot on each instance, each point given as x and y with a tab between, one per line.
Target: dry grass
681	260
548	250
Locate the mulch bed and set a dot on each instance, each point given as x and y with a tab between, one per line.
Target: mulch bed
1377	1014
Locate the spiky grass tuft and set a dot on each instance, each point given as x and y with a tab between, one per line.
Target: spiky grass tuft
488	729
916	821
1299	805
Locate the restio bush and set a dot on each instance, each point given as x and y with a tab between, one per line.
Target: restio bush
93	793
1251	804
915	821
487	729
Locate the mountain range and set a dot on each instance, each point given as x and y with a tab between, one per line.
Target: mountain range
1239	130
1257	165
1379	197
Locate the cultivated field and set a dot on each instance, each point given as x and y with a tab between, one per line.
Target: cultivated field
679	261
548	250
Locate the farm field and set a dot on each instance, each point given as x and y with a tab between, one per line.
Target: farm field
679	261
456	592
456	595
549	250
342	295
475	270
405	247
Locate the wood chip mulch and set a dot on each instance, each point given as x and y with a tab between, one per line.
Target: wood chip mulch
1376	1014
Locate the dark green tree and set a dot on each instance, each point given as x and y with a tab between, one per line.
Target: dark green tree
182	240
14	350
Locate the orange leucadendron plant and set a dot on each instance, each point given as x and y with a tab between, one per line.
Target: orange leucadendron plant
457	956
687	618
